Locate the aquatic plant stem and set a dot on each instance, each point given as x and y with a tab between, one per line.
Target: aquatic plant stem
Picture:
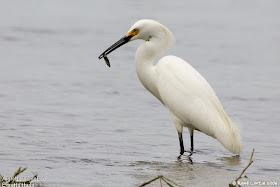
160	177
248	165
235	182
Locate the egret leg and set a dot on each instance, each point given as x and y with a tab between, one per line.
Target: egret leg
191	137
182	150
191	143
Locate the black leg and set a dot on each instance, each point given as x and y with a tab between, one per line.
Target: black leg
182	150
191	143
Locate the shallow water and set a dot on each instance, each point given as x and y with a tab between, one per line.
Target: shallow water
68	117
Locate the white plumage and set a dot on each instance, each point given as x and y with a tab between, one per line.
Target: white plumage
187	95
193	103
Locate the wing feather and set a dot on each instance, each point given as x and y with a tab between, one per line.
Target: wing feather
188	95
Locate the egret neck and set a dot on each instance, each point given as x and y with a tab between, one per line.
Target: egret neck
144	58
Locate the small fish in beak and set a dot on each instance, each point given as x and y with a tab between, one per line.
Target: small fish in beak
106	60
116	45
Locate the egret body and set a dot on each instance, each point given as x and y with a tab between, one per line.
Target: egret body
189	98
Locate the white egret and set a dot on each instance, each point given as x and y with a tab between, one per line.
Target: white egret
189	98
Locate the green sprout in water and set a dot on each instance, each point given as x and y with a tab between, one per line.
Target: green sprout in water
7	181
236	183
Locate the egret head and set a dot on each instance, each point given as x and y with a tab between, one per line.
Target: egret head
143	29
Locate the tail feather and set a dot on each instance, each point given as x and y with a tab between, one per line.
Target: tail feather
230	137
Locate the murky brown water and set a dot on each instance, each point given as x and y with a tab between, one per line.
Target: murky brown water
68	117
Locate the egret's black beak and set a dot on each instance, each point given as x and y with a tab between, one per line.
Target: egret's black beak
116	45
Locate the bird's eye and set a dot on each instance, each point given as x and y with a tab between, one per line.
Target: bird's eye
135	30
